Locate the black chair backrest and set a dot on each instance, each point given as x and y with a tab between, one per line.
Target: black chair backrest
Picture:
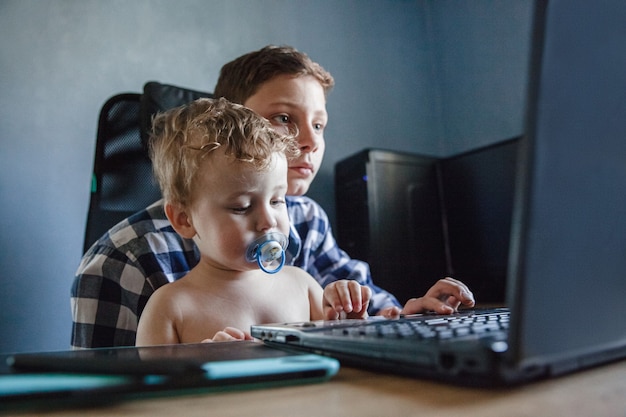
123	182
159	97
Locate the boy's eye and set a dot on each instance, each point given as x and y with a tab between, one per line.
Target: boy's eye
282	119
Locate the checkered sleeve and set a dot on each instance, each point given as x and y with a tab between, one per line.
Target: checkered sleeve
316	251
104	311
120	272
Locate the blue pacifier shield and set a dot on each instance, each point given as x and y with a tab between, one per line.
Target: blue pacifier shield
268	251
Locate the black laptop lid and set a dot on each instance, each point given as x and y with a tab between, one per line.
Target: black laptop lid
568	252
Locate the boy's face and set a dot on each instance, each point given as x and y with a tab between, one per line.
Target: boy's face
296	103
233	204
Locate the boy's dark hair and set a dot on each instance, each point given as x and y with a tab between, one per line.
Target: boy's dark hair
241	78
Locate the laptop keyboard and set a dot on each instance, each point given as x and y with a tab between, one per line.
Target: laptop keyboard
436	328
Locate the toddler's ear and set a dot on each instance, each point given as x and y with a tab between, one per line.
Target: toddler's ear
180	220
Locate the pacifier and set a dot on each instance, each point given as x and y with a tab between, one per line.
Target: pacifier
268	251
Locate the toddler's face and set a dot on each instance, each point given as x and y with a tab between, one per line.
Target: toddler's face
290	102
234	204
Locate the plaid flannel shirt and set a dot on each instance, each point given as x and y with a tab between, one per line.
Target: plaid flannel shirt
124	267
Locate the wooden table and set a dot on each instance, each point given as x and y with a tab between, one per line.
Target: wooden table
593	393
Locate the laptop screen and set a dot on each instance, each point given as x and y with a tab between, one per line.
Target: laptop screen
568	252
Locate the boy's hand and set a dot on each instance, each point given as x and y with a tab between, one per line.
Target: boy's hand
346	299
445	297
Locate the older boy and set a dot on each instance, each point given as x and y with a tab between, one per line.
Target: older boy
122	270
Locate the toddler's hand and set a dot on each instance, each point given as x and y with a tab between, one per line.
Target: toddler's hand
228	335
389	312
346	299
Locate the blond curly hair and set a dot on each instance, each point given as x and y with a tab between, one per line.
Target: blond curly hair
183	138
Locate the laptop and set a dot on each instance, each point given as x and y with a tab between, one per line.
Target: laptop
566	276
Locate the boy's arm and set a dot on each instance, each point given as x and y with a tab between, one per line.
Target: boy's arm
321	257
120	272
105	312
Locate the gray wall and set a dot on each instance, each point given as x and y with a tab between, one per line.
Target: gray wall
435	77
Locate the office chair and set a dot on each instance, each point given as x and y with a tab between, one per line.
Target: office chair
122	182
